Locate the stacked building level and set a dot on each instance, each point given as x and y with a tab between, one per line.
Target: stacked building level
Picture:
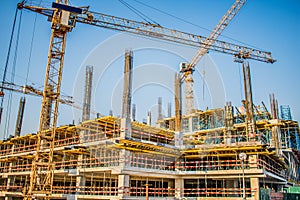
102	159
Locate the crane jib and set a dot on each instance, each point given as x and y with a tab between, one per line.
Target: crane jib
150	30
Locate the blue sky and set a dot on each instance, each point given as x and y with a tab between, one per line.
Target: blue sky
268	25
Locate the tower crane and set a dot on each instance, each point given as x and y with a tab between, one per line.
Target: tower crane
187	69
63	19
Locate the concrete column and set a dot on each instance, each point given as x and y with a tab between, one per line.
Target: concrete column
178	139
125	128
125	158
83	136
123	186
178	103
169	110
254	184
126	104
190	124
80	182
149	119
228	123
80	179
86	112
20	117
160	115
179	185
9	180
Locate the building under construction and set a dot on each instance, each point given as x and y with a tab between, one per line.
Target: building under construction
223	153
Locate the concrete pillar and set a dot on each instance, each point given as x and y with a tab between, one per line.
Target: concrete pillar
86	112
123	186
228	123
80	179
254	184
160	115
9	180
20	117
169	110
80	183
133	112
179	185
125	128
178	139
149	119
191	124
178	103
126	104
125	158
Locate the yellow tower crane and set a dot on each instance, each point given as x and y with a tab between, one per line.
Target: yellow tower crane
63	19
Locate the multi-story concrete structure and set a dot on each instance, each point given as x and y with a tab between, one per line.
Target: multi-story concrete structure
113	158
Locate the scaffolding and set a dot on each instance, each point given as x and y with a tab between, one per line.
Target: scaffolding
95	160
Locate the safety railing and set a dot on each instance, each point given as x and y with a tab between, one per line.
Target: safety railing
217	192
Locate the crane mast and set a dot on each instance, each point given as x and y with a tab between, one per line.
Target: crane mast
64	18
187	70
41	177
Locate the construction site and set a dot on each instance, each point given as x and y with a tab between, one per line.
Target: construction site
234	152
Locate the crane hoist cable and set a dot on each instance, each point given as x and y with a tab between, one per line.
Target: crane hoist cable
31	46
193	24
174	16
6	63
9	106
139	13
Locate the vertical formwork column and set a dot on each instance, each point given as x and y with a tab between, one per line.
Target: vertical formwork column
250	129
127	84
178	107
133	112
228	123
275	141
87	93
189	92
20	117
126	104
80	178
159	108
9	178
86	112
149	119
169	110
178	111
